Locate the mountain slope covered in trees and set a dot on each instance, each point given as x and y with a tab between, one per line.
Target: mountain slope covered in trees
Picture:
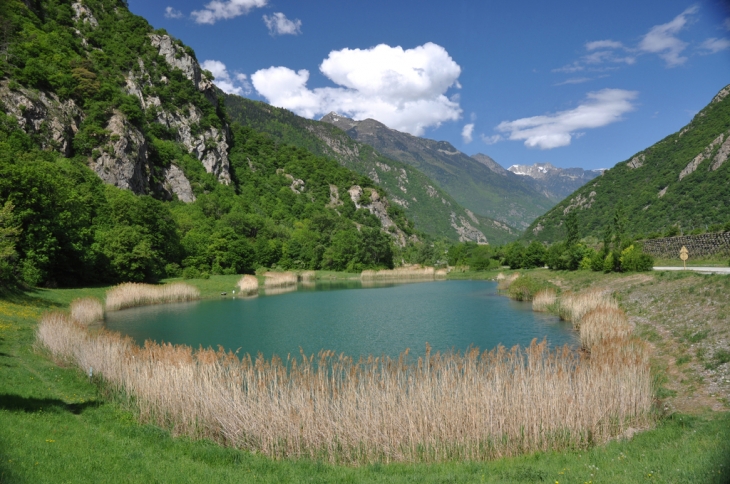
680	184
473	184
118	162
431	208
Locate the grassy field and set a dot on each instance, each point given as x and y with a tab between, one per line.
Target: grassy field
55	426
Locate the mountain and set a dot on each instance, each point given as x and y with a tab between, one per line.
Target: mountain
555	183
683	181
119	162
431	209
473	184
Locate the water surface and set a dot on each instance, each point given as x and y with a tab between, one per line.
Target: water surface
376	320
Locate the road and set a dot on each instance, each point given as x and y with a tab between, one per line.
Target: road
703	270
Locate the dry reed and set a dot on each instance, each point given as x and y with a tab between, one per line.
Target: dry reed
505	282
131	294
441	273
86	310
307	276
573	306
452	406
544	300
248	285
401	273
279	279
601	324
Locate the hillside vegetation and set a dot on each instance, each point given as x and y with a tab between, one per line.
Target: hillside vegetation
680	184
431	208
118	162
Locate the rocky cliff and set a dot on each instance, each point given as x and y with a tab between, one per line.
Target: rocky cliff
555	183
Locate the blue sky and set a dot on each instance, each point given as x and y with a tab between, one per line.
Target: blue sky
575	83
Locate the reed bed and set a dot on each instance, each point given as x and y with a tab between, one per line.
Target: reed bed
439	407
86	310
402	273
279	279
504	282
307	276
603	323
131	294
248	285
544	300
573	306
441	273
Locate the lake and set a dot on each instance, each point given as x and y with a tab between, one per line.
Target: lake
349	318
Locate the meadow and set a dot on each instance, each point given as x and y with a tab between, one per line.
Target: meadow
59	426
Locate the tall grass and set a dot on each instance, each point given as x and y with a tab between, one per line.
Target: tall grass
450	406
133	294
248	285
545	300
573	306
602	324
279	279
86	310
504	282
401	273
307	276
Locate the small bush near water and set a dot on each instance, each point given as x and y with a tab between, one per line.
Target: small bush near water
403	273
132	294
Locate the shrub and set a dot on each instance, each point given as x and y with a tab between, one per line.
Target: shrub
525	288
191	273
635	260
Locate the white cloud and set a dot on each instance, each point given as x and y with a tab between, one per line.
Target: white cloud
662	40
467	132
555	130
238	84
173	13
714	45
574	80
278	24
604	44
490	140
225	9
404	89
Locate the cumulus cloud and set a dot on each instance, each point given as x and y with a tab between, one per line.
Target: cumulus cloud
555	130
236	84
225	9
173	13
714	45
402	88
467	132
662	39
278	24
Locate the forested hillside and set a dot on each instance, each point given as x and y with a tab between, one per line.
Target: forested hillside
679	185
118	162
431	209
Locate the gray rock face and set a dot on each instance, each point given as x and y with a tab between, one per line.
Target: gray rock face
81	12
43	114
467	233
209	146
123	160
177	57
379	207
175	182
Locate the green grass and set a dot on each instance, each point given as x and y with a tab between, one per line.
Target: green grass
55	426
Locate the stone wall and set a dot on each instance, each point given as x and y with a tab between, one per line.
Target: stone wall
697	245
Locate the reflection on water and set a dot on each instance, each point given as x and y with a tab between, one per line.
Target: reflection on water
347	316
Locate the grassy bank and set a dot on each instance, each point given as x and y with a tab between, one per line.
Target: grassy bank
53	417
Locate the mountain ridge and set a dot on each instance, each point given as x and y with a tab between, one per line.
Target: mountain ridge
473	184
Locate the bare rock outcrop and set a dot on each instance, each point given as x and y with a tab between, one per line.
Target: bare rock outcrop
467	232
697	160
122	161
176	183
379	207
54	121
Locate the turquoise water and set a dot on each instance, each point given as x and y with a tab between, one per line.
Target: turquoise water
351	319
